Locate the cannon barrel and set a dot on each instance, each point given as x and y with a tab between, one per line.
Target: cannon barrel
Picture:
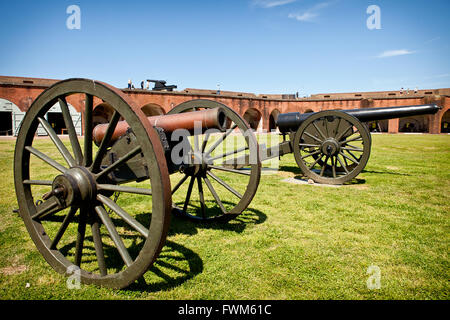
208	119
291	121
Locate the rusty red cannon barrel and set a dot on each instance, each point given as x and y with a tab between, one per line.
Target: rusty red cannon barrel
207	119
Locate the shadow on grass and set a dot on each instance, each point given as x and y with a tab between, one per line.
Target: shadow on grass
184	225
386	172
173	266
354	181
168	270
293	169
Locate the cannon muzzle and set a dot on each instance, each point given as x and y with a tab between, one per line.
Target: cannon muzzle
291	121
204	119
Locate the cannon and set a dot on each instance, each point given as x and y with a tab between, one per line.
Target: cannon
331	147
102	206
161	85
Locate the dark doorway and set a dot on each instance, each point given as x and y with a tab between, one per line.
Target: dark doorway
445	122
56	120
6	123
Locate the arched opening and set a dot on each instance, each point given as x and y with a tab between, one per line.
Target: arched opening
308	111
252	116
445	122
378	126
6	117
273	119
152	109
102	113
413	124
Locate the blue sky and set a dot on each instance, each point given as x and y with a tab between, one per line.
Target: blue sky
260	46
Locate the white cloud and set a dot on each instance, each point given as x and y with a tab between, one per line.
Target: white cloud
309	14
271	3
394	53
306	16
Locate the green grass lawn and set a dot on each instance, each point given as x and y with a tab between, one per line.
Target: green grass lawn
293	242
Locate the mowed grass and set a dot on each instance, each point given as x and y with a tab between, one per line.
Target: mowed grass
293	242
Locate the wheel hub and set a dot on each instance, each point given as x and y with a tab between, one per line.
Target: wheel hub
74	187
199	164
330	147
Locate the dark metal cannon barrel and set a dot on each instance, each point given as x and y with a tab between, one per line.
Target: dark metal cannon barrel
209	119
292	121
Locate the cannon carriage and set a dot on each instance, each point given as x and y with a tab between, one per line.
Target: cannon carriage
68	191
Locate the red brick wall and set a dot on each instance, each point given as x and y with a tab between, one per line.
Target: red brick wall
23	95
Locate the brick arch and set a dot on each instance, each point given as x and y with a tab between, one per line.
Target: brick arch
22	102
102	113
152	109
273	119
444	121
253	117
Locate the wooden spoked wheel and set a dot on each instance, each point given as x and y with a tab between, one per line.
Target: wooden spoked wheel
331	147
226	176
66	197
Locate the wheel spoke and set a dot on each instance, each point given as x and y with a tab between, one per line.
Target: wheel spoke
313	137
38	182
324	165
326	127
120	161
205	142
88	130
46	158
309	145
230	170
342	165
350	153
63	227
318	130
124	215
202	198
180	183
346	157
98	244
358	138
339	137
105	141
114	235
352	149
221	139
57	142
229	153
315	162
188	195
80	236
224	184
214	193
333	166
337	127
311	154
50	206
117	188
71	130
